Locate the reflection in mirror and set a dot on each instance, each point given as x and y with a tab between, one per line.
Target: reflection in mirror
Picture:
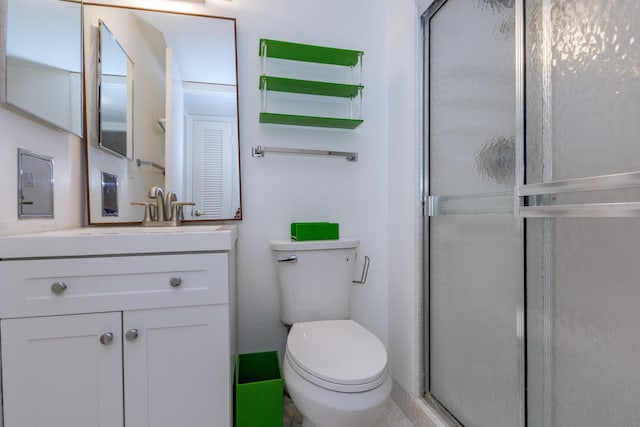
44	60
185	113
35	185
109	194
115	95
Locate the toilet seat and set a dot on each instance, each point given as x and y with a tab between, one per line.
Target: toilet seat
338	355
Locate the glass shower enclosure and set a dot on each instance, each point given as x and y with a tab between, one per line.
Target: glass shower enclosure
532	173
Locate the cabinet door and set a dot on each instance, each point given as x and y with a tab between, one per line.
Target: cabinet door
177	368
57	372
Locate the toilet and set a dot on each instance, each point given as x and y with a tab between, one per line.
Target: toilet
335	370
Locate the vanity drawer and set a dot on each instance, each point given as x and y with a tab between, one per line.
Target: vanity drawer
81	285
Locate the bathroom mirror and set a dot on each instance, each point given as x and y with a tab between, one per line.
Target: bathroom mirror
43	61
184	113
115	95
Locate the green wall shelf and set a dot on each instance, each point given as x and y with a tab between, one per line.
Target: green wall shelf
309	87
320	55
309	53
324	122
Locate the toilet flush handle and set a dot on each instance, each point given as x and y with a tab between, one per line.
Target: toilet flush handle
291	258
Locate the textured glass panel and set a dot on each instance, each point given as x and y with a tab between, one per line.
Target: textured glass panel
472	102
475	270
583	84
583	330
537	65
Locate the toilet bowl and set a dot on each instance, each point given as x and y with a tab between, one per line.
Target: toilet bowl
337	374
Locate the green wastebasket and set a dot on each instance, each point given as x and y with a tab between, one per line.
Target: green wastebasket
258	390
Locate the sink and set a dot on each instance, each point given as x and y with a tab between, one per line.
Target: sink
88	241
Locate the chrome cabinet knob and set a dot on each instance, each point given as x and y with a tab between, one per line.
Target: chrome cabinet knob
131	334
58	288
198	212
106	338
175	282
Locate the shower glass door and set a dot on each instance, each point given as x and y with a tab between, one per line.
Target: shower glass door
475	351
573	219
582	210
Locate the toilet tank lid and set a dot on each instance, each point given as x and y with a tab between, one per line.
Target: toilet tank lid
310	245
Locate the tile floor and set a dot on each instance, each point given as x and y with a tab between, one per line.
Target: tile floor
392	417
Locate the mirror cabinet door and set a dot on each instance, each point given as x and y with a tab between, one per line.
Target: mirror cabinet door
43	74
179	114
115	95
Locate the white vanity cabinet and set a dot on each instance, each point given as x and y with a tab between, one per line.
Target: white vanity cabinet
142	339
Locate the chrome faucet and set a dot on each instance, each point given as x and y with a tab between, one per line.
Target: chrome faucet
165	212
157	193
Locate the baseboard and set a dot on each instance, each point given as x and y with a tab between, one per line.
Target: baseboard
417	409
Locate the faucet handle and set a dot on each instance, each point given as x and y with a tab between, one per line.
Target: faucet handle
157	193
169	199
176	207
147	211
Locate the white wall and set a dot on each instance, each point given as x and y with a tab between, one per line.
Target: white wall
372	199
405	298
67	152
280	189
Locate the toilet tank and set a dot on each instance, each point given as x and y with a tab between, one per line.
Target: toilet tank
314	278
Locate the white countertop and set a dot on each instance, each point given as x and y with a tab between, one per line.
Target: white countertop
91	241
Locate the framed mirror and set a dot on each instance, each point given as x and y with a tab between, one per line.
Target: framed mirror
115	95
182	127
42	62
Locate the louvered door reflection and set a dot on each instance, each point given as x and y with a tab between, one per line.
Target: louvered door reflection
212	184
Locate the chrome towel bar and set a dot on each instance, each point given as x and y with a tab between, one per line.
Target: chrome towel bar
530	200
539	209
260	151
141	162
592	183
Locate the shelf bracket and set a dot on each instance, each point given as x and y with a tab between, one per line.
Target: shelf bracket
260	150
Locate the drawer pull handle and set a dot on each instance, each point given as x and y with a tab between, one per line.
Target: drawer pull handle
58	288
106	339
175	282
131	334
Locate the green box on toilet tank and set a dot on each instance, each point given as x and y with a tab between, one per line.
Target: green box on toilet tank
301	231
